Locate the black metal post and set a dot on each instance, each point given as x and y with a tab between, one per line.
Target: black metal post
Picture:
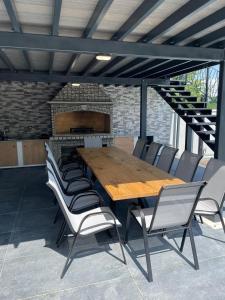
188	138
143	109
220	128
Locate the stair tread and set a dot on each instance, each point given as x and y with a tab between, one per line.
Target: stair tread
206	132
194	108
189	102
201	116
171	85
209	141
202	123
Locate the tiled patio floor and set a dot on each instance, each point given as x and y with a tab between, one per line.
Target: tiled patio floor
31	265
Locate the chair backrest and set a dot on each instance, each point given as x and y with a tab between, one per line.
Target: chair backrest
166	158
139	148
187	166
51	167
92	142
215	187
52	184
212	167
152	152
67	199
176	205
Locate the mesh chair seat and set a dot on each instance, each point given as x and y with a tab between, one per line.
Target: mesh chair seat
92	142
94	223
86	200
206	207
70	166
73	174
166	158
77	186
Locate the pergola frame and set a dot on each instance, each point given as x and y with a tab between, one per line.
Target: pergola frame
152	64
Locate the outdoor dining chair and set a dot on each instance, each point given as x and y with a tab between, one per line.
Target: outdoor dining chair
166	158
73	186
152	152
92	142
213	195
187	166
139	148
86	223
66	166
66	174
75	203
173	211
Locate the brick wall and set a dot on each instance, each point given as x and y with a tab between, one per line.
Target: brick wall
25	112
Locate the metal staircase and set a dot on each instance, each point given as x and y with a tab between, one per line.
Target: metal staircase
196	114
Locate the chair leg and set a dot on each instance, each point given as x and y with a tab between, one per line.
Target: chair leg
121	247
127	227
66	266
222	221
193	248
57	215
201	220
147	254
183	240
61	232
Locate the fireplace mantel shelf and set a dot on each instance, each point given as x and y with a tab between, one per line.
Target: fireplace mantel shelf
80	103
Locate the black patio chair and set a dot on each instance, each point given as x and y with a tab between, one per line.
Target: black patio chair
152	152
166	158
187	166
213	195
139	148
173	211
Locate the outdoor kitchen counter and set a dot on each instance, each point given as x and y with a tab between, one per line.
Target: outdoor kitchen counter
19	153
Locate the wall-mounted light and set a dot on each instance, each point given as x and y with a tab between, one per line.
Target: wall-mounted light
103	57
75	84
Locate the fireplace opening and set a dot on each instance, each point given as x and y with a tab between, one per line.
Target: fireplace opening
82	122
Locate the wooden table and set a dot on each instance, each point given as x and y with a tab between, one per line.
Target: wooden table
124	176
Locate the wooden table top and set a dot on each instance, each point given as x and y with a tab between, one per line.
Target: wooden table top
124	176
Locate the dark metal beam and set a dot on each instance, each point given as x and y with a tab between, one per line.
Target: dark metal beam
208	39
208	21
188	138
55	29
27	41
16	27
187	9
144	10
143	109
98	14
191	69
6	60
60	77
220	128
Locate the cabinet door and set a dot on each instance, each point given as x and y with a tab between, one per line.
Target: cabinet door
34	152
8	153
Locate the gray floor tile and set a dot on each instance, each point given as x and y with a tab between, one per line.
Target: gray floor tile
7	222
41	218
31	276
10	194
122	288
4	241
9	206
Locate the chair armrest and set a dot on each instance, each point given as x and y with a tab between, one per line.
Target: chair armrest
96	213
211	199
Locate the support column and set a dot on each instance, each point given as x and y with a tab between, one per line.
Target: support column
188	138
220	122
143	109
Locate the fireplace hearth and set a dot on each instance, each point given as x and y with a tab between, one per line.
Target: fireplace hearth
78	112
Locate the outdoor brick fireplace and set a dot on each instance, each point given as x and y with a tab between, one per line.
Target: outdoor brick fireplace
77	112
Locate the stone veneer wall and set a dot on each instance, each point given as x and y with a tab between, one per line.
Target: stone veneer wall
26	113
